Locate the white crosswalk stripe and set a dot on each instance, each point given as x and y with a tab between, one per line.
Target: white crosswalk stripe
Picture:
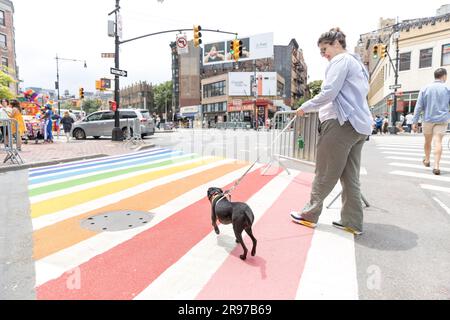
408	154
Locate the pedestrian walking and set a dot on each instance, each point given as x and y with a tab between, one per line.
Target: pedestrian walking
379	124
344	127
4	115
158	122
385	124
434	102
409	121
67	122
48	134
18	131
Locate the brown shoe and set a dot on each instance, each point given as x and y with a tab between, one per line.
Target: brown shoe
437	171
425	163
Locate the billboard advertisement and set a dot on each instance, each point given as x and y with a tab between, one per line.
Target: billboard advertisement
243	84
254	47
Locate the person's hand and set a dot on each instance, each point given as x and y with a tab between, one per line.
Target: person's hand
300	112
415	127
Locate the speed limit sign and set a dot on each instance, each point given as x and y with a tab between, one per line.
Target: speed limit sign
182	44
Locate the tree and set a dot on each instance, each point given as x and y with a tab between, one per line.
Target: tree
162	94
5	81
91	105
315	87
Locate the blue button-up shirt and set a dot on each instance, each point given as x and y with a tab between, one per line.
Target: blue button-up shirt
346	85
434	101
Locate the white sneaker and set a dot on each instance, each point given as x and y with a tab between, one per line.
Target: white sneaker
297	218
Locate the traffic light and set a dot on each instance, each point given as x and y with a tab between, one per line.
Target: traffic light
376	49
81	93
237	49
383	51
197	36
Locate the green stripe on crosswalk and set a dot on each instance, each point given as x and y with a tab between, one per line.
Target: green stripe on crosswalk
106	175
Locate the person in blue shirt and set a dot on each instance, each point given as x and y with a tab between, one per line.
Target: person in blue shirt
345	124
434	102
379	124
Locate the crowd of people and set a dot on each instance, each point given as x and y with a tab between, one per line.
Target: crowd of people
40	127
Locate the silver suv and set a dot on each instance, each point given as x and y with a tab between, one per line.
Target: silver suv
101	123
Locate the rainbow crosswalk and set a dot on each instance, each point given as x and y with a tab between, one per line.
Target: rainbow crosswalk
177	255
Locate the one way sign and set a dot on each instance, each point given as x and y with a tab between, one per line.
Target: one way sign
119	72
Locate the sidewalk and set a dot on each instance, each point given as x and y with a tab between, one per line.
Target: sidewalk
35	155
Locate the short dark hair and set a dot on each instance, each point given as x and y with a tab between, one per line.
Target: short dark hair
333	35
439	73
4	99
16	104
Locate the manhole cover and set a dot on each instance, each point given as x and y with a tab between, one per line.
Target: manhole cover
117	221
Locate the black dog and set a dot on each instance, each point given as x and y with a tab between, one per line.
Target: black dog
237	213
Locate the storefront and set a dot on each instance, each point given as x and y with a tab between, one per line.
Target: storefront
249	111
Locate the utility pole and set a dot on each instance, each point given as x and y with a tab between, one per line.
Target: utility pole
397	61
117	134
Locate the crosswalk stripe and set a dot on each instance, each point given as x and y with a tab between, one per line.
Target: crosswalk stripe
147	254
435	188
71	174
211	253
447	209
416	166
420	175
330	270
418	160
412	154
56	264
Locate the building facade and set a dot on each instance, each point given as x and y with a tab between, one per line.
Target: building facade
208	85
424	46
138	95
7	43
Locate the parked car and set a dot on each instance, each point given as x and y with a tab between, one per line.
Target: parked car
101	123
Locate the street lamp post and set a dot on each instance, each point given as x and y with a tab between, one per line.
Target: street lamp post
57	77
117	134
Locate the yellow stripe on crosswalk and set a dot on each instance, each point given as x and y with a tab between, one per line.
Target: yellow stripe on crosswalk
67	201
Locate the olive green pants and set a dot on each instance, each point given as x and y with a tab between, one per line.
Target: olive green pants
338	158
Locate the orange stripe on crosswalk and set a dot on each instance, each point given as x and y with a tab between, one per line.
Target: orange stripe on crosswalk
67	233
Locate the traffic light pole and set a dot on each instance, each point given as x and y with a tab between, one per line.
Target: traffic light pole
394	111
117	134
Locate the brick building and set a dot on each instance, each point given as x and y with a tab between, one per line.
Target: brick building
7	42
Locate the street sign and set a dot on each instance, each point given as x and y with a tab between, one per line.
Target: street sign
119	72
108	55
182	44
395	86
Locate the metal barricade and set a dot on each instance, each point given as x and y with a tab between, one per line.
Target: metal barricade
134	132
295	139
12	154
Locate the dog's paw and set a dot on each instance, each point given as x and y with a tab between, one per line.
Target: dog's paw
237	241
253	253
217	230
243	256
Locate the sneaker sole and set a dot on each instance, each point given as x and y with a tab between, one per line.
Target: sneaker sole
304	223
356	233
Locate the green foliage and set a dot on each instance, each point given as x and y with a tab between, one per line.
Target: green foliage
5	81
162	94
315	87
299	102
91	105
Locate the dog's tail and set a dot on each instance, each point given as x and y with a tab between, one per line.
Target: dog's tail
249	215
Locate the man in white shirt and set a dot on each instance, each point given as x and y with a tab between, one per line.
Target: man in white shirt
409	121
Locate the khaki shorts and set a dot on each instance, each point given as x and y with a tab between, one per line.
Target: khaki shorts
434	128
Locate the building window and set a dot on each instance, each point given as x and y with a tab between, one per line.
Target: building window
4	62
3	40
2	18
405	61
214	89
445	61
426	58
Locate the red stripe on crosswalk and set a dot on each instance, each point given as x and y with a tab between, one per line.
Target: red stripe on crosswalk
274	273
127	269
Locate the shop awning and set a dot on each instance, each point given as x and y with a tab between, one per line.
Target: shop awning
189	115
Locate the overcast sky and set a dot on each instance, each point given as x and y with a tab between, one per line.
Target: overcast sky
77	29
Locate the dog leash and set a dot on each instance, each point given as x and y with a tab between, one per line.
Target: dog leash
229	191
